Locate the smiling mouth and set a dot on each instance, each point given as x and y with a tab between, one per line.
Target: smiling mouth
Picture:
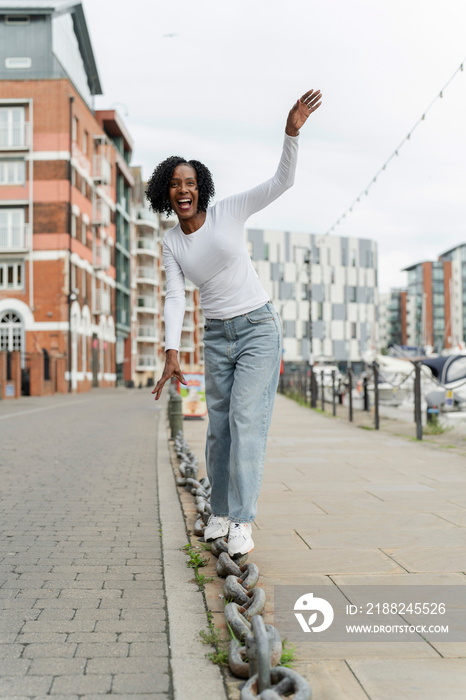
184	203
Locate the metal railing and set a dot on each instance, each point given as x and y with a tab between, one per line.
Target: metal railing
147	302
15	237
146	332
149	273
146	361
102	301
15	136
102	170
101	256
144	243
101	215
368	394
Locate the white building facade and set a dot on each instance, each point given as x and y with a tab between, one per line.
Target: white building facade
457	256
340	276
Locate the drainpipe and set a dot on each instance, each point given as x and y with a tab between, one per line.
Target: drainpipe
70	214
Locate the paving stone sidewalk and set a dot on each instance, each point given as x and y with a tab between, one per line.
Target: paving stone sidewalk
341	505
82	602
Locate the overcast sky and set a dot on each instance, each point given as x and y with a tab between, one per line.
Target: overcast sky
215	80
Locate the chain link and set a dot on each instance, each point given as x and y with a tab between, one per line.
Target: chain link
256	648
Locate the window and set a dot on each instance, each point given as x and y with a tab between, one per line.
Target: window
320	311
316	260
11	275
84	232
73	225
85	140
17	19
12	172
289	329
353	258
83	187
12	228
304	291
344	257
73	278
18	62
74	130
353	330
84	283
351	294
332	275
73	177
11	331
12	127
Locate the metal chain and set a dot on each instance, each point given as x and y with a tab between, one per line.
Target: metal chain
256	648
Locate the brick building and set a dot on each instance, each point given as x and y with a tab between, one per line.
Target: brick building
65	201
428	306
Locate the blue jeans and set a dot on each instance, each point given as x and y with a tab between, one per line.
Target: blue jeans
242	366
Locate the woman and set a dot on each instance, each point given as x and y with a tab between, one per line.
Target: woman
242	335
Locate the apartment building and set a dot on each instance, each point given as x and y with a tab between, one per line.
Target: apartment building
147	282
65	190
428	306
393	318
457	258
325	291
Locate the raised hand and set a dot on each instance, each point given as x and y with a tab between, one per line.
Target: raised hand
301	110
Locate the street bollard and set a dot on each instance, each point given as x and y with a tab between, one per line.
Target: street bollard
313	389
176	415
375	367
417	400
322	390
365	386
334	407
350	393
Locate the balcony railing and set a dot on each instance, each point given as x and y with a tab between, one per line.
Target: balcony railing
146	332
149	273
14	238
147	244
147	302
101	256
102	170
101	213
15	136
102	301
146	362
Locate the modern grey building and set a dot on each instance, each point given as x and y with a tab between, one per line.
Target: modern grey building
341	276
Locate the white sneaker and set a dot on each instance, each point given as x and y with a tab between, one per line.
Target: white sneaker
217	526
239	538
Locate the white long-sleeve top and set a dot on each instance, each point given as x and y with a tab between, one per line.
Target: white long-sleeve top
216	258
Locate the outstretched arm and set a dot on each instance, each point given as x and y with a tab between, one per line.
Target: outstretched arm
242	206
300	111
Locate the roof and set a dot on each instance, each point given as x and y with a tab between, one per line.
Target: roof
412	267
450	250
56	8
36	7
111	121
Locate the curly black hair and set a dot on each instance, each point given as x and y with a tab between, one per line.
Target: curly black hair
158	184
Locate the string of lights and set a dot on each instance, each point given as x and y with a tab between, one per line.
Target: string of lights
396	152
